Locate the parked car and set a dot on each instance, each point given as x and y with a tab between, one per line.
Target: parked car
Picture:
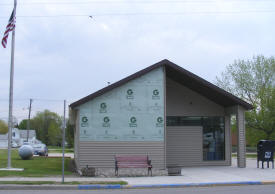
14	145
40	149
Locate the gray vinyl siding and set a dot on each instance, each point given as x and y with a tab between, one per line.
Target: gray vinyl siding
181	101
184	146
101	154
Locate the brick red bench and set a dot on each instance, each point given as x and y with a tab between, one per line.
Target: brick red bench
122	161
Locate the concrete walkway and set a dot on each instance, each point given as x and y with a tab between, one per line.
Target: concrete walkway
211	174
194	175
71	155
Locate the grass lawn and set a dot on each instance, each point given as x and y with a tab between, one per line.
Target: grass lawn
57	149
60	151
27	182
36	167
248	155
66	183
54	147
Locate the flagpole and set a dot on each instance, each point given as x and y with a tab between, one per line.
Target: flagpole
11	92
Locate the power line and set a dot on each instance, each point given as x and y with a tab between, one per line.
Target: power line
18	99
147	13
184	13
49	100
133	2
36	99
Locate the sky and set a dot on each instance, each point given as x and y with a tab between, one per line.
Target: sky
62	53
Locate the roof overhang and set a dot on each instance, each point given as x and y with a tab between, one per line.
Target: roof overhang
183	77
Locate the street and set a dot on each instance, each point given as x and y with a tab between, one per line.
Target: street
252	189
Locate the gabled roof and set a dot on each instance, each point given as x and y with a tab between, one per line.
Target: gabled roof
182	76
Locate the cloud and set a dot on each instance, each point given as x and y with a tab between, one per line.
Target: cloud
70	57
105	27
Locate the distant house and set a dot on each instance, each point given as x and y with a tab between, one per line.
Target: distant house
15	133
3	140
24	134
19	136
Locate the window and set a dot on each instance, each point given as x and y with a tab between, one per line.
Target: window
213	134
213	138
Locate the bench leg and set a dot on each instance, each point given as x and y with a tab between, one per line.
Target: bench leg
116	171
149	171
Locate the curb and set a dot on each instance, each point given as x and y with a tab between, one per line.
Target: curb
99	187
209	184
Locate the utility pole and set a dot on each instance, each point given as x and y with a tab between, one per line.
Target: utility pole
10	124
28	124
63	140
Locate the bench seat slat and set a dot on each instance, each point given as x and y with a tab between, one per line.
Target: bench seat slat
131	158
133	165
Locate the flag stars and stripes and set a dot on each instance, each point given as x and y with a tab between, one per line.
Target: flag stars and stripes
10	27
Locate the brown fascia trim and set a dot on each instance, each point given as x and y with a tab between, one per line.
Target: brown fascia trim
165	63
210	85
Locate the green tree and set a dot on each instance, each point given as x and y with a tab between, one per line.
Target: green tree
3	127
263	118
48	126
70	134
54	134
23	124
254	81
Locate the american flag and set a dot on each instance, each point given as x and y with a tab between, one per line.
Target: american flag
10	27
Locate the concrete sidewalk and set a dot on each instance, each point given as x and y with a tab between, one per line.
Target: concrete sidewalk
211	174
71	155
190	176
